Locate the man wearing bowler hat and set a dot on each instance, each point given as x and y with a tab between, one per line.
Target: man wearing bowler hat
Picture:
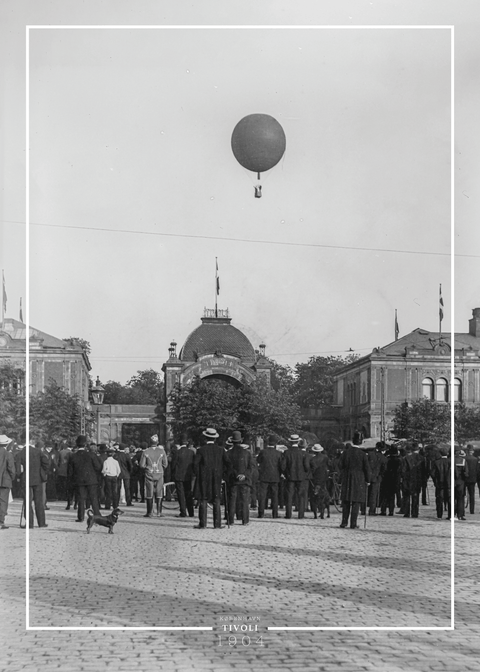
239	469
209	467
270	466
37	474
297	467
83	469
182	474
355	479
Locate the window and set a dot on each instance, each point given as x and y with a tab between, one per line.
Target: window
427	388
457	389
442	390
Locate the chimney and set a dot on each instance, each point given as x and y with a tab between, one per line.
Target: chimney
474	323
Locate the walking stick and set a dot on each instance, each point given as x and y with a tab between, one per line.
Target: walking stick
226	504
366	502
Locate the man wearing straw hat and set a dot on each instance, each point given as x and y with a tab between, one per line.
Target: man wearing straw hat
7	475
239	465
209	466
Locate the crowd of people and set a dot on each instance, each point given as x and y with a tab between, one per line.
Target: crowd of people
291	475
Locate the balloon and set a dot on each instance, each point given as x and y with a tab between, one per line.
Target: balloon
258	142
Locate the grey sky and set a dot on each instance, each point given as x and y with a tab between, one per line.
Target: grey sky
130	130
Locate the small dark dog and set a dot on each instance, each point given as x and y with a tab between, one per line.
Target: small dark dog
107	521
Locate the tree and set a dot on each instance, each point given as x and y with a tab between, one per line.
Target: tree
73	340
144	388
466	423
55	415
283	376
314	383
265	411
424	421
12	402
256	409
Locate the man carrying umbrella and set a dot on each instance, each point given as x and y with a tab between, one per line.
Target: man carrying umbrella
209	466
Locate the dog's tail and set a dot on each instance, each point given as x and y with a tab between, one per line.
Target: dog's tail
90	513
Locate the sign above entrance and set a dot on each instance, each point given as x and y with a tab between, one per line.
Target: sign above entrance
215	365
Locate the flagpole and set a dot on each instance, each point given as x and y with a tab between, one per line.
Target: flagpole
396	325
440	314
216	286
3	297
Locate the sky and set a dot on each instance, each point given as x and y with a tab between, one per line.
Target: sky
134	191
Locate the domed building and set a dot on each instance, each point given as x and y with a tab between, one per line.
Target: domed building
217	350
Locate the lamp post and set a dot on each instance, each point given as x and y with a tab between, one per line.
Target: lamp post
97	395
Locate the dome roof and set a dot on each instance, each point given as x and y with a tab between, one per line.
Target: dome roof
216	334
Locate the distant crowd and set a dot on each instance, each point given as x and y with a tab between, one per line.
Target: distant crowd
290	476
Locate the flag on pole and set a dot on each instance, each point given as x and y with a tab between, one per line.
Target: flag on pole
4	295
397	330
216	276
440	308
21	311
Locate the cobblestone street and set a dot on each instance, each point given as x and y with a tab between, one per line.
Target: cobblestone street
285	573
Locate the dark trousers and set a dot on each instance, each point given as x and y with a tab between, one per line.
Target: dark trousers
262	498
134	487
202	512
387	500
442	497
72	492
300	488
141	481
243	494
373	493
4	492
460	499
126	485
350	510
185	497
111	491
411	501
471	496
62	487
89	492
36	496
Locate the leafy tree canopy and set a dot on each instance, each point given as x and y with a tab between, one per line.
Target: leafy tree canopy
12	402
313	384
55	415
146	387
256	409
73	340
424	421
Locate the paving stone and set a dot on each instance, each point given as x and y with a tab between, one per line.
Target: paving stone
285	572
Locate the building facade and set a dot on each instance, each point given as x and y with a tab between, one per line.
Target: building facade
215	350
416	366
51	359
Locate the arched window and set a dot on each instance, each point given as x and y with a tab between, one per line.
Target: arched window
457	389
441	390
427	388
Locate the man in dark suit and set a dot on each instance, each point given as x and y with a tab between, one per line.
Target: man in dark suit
355	473
297	467
83	468
377	464
270	466
37	473
7	475
123	459
239	469
413	475
440	473
182	474
209	466
473	475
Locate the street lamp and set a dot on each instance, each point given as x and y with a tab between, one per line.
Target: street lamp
97	395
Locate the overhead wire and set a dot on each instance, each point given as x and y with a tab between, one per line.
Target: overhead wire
242	240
